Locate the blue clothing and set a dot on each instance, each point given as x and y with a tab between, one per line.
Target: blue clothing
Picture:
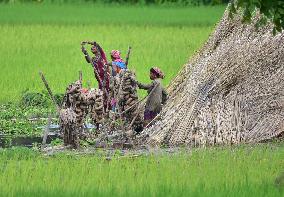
121	65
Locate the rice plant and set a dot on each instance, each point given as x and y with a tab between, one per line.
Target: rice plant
47	37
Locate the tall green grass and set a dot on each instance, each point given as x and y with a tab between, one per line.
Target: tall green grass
83	14
47	38
242	171
126	2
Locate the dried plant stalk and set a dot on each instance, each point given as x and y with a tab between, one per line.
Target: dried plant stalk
229	93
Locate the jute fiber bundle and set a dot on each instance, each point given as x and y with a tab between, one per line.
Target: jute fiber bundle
96	105
231	92
72	113
128	99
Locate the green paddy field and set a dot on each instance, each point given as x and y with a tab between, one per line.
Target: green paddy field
47	37
228	171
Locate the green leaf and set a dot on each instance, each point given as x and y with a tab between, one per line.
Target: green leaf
274	31
261	22
247	16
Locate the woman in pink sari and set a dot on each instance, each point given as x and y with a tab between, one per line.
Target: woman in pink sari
101	70
98	62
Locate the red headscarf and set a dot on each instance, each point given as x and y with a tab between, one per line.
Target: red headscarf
116	55
157	72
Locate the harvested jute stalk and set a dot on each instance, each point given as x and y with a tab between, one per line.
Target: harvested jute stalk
48	90
95	98
140	101
128	97
230	93
73	113
69	127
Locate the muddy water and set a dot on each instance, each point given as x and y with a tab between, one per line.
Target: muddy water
7	140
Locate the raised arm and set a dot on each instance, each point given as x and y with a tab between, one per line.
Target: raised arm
87	57
145	86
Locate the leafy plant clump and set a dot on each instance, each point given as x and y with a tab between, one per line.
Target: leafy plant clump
15	119
272	10
33	99
38	99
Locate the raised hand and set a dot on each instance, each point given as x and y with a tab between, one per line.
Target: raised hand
84	50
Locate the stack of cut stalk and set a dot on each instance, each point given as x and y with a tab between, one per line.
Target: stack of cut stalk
68	127
95	98
78	102
72	114
128	99
76	106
